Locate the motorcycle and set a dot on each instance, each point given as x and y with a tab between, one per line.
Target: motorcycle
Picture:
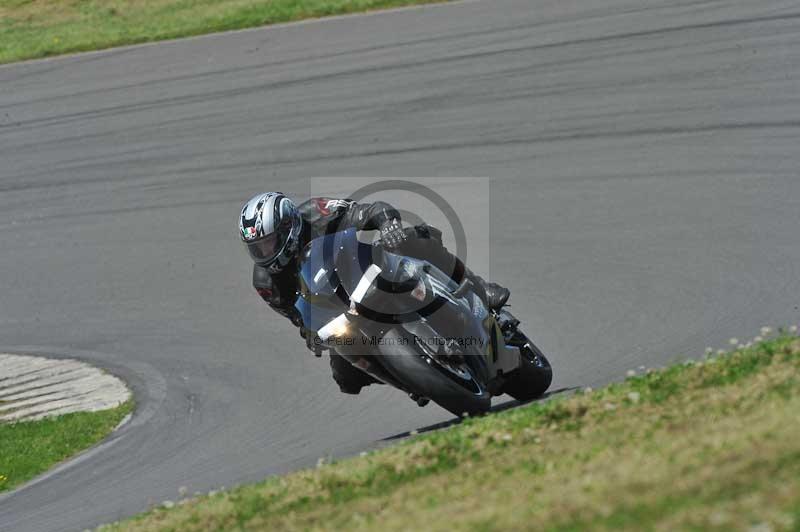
409	325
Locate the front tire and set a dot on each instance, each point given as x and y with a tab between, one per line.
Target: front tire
411	365
532	378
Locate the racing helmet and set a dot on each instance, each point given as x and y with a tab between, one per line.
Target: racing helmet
270	226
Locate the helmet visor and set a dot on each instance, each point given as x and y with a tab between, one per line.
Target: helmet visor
264	250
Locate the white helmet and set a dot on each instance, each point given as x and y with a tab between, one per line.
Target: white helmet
270	227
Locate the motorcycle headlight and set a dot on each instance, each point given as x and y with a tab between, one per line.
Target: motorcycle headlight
336	328
420	291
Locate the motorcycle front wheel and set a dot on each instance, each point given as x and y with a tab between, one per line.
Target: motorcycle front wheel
453	387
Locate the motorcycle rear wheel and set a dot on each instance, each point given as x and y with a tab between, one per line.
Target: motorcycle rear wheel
532	378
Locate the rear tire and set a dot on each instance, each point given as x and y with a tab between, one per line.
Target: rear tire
533	377
409	364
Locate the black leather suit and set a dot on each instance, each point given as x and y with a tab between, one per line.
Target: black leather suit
323	216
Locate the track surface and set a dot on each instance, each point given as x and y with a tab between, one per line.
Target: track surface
645	204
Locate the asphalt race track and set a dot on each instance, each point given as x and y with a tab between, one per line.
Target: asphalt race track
645	203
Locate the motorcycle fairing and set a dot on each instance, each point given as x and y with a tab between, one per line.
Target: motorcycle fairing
336	267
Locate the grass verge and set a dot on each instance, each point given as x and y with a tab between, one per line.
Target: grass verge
28	448
38	28
708	445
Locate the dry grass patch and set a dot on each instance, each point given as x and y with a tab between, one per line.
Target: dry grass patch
710	445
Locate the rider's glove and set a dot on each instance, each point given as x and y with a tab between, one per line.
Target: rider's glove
392	234
313	342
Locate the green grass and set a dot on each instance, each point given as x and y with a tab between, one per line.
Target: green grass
39	28
709	445
29	448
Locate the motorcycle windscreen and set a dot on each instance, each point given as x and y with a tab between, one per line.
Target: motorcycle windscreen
331	267
333	260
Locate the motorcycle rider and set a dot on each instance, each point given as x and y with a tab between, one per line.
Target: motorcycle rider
275	230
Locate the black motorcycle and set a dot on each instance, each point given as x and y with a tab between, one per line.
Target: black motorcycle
408	324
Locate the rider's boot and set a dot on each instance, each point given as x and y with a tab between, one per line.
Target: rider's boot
493	294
